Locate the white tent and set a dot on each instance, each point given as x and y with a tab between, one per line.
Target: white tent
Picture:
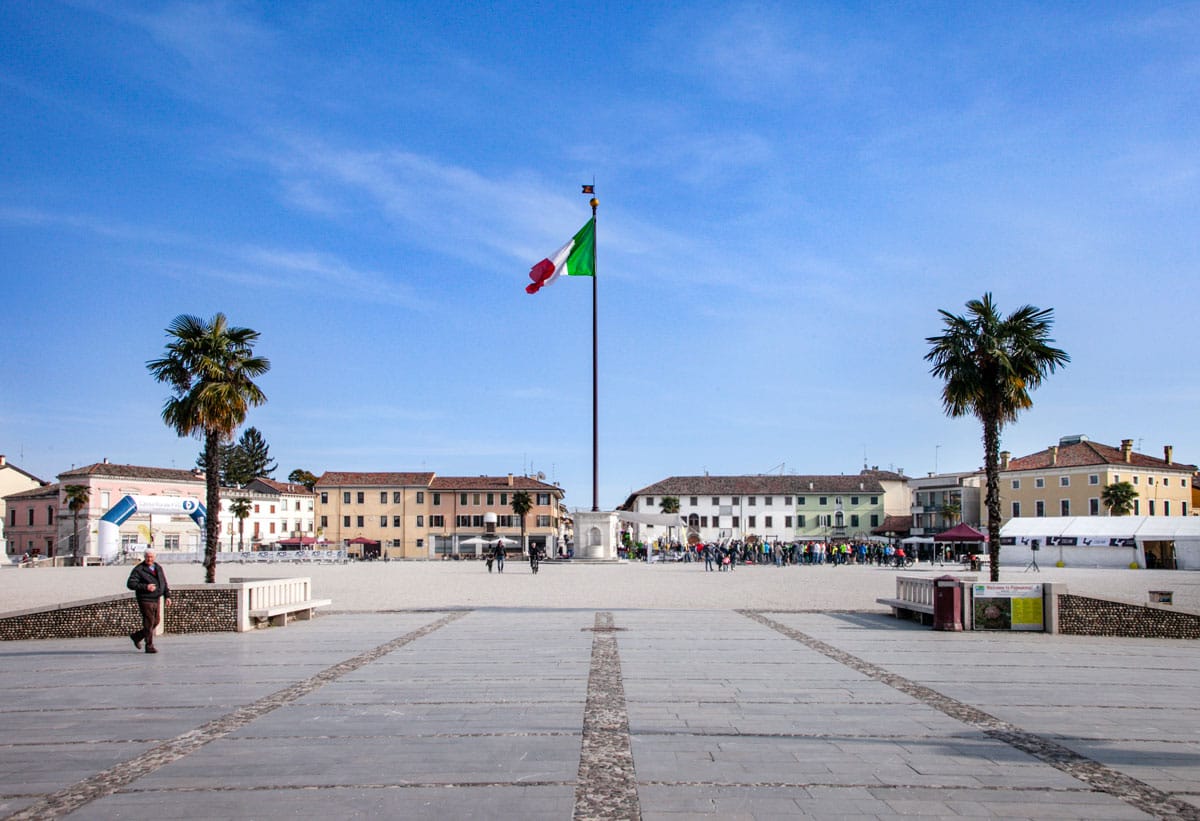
663	519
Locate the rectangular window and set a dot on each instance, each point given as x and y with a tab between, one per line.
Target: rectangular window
1184	508
437	520
649	502
767	521
853	520
874	520
1093	479
383	497
703	521
769	500
397	521
751	521
1149	507
1039	508
437	500
735	500
1039	482
360	520
420	542
324	497
1064	507
543	498
420	497
801	500
1016	484
753	501
1064	481
736	523
787	501
477	520
345	521
383	521
362	497
716	521
29	515
692	501
853	500
800	521
787	522
491	499
1093	507
874	500
462	521
475	498
420	521
171	541
716	500
1016	510
397	497
504	498
1137	507
345	497
50	515
543	520
462	499
824	500
324	521
1135	480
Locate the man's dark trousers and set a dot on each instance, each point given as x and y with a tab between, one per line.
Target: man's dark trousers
149	609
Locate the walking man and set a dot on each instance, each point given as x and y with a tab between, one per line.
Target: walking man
499	556
148	581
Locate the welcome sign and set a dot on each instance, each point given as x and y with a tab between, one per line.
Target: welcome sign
1001	606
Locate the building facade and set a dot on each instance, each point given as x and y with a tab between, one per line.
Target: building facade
13	480
1068	479
32	522
942	500
769	507
425	516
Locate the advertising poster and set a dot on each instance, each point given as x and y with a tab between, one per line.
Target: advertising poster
1000	606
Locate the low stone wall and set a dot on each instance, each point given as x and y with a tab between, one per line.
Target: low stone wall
194	609
1085	616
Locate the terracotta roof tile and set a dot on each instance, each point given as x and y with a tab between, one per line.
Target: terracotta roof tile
761	485
1083	454
134	472
282	487
450	483
332	478
36	493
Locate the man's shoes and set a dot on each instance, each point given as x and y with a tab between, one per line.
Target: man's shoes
151	650
136	641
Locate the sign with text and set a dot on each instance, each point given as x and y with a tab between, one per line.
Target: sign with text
1001	606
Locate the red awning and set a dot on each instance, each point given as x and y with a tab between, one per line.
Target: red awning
961	533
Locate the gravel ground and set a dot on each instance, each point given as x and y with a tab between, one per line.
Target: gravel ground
374	586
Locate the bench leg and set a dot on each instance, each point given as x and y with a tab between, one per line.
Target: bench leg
280	620
303	615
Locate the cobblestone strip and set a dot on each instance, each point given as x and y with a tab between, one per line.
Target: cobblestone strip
1100	777
108	781
607	786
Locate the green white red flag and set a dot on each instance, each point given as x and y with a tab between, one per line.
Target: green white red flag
577	259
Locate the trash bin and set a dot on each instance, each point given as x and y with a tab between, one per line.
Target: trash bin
976	563
947	603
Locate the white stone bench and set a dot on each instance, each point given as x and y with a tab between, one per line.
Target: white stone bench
914	597
275	601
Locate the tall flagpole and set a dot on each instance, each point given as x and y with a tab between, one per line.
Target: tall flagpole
595	392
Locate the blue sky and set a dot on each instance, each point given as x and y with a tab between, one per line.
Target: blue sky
788	194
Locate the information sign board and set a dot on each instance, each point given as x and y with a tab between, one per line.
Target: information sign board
1001	606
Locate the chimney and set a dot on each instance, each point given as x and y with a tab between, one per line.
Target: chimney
1127	450
105	462
1053	454
1005	455
510	480
1168	452
3	460
861	486
810	485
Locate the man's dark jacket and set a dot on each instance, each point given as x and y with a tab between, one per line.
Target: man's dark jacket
141	577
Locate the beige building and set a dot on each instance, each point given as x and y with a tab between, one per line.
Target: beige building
13	480
424	516
1068	479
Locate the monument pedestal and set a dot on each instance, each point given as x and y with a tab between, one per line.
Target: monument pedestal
596	535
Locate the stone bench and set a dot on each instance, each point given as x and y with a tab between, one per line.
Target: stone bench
277	615
914	598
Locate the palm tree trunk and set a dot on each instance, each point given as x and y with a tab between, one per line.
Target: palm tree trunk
75	534
212	464
991	452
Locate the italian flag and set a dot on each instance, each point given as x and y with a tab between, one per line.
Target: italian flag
577	259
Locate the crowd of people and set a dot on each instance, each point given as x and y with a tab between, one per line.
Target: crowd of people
729	554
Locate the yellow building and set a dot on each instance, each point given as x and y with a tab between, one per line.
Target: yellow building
424	516
1069	478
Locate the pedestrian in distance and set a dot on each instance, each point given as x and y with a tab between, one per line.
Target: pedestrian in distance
499	555
533	558
148	582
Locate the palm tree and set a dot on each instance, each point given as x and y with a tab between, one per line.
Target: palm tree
952	510
521	505
989	365
210	368
1118	498
77	497
241	509
669	504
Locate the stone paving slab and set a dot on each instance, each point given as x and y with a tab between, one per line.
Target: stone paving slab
555	714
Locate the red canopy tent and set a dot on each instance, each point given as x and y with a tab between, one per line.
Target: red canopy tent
961	532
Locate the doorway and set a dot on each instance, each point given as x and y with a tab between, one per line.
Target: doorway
1159	555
